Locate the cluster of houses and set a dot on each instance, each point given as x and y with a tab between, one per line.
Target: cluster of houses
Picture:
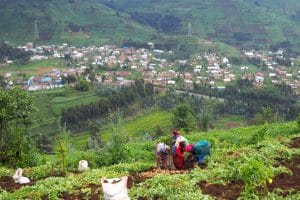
274	72
49	80
117	66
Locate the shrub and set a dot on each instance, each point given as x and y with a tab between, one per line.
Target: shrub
298	120
255	173
62	149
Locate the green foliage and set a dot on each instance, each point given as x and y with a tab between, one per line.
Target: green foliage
232	158
115	146
181	117
94	141
158	131
298	120
41	171
83	85
215	19
78	22
16	114
204	119
266	115
62	149
242	98
259	136
255	173
168	187
5	172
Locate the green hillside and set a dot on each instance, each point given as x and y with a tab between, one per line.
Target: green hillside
241	23
258	162
73	21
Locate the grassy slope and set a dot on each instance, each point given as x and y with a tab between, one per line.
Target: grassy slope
51	102
223	166
220	19
135	128
100	24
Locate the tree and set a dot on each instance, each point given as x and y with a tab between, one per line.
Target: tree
118	138
83	85
181	118
62	148
204	119
94	141
16	114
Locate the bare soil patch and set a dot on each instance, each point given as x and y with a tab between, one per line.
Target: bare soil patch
286	181
137	178
230	191
90	191
295	143
7	183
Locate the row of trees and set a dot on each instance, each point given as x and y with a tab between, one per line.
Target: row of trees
125	96
243	98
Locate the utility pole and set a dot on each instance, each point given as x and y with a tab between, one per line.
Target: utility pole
36	30
190	31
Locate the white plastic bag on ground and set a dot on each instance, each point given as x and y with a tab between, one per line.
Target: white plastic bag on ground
115	189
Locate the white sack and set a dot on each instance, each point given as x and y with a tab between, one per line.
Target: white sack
115	189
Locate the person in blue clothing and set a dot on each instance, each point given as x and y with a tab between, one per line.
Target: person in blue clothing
199	150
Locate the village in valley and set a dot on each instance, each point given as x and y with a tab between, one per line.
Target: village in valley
115	66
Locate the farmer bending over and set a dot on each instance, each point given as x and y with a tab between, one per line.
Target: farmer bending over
162	155
199	150
178	155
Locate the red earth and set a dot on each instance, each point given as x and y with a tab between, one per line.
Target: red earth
230	191
295	143
7	183
286	181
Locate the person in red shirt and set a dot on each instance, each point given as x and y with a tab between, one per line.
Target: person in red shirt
178	156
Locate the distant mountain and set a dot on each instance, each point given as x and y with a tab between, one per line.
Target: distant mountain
241	23
73	21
